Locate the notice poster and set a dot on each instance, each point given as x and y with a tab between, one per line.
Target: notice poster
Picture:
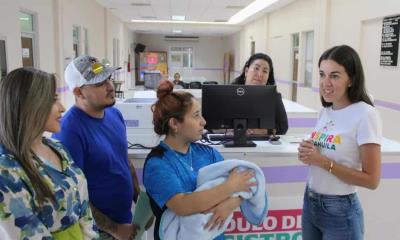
390	41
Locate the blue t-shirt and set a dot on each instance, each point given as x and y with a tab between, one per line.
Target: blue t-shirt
99	147
168	172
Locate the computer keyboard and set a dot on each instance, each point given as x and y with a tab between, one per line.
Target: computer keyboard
223	137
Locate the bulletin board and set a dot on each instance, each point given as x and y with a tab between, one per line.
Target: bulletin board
153	62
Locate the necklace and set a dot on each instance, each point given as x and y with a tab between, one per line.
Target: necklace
189	154
190	166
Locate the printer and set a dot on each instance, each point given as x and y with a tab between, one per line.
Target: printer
139	121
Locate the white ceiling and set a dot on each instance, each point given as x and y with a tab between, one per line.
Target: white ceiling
194	10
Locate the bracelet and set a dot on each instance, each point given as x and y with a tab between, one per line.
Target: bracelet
330	167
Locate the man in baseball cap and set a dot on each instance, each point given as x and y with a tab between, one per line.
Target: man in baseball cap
94	133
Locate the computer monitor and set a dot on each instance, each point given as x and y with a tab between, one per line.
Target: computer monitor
151	79
239	107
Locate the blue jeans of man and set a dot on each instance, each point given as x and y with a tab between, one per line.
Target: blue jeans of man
332	217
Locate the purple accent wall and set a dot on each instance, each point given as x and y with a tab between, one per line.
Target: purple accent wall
62	89
208	69
390	105
377	102
302	122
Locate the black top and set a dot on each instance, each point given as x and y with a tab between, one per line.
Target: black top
157	211
281	120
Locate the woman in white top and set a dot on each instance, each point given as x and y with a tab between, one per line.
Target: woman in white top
343	151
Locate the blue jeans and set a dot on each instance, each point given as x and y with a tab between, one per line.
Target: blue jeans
332	217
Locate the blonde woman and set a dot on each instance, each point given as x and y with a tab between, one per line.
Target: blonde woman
43	194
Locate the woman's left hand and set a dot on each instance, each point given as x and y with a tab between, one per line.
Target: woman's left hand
221	212
309	154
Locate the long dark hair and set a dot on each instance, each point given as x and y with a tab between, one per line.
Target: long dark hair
242	78
348	58
26	98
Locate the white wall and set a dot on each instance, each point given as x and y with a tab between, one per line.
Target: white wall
102	27
117	29
208	54
55	20
357	23
232	44
363	32
11	30
240	43
298	17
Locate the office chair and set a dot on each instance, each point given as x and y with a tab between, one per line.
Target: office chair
210	82
118	92
195	85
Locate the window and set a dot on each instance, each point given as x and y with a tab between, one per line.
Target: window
76	40
308	60
26	20
295	67
86	41
28	39
116	57
3	58
116	53
181	57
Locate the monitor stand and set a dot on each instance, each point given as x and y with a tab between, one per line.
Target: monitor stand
240	135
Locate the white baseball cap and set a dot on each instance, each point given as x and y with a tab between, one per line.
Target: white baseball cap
86	70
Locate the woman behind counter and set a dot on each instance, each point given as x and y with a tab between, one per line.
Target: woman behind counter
259	70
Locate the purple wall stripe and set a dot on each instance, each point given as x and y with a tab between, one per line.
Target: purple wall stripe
292	174
62	89
208	69
302	122
390	170
315	89
284	81
377	102
287	174
390	105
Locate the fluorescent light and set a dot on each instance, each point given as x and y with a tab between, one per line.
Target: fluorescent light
177	31
250	10
141	4
178	18
178	22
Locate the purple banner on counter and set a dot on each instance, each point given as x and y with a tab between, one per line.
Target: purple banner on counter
302	122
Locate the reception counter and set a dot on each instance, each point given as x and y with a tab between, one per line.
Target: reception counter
285	179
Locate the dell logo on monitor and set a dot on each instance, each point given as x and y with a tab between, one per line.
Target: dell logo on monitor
240	91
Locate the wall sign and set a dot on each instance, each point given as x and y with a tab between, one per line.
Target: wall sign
280	224
390	41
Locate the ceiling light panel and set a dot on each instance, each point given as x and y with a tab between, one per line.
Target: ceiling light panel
141	4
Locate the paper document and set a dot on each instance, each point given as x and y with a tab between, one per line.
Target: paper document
142	214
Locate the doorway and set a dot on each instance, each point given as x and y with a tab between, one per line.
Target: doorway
3	58
295	70
28	35
27	51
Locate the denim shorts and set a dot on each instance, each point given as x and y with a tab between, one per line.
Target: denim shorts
332	217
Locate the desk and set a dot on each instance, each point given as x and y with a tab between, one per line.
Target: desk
286	177
301	119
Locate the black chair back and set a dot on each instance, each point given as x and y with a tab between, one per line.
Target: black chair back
210	82
195	85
